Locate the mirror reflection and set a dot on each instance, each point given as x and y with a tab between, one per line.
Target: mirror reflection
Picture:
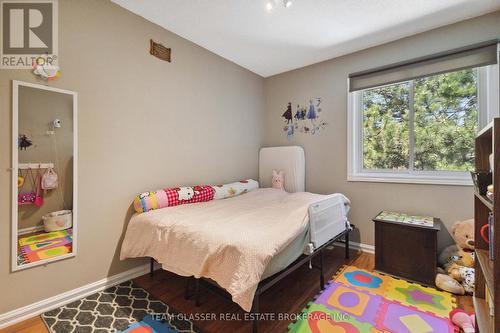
45	155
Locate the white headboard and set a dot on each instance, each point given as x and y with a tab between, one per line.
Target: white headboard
291	159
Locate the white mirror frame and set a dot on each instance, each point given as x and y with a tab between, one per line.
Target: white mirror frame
15	164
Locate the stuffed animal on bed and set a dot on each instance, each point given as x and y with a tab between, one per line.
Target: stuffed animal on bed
456	271
278	179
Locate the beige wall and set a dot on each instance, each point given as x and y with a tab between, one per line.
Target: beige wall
143	124
37	110
326	152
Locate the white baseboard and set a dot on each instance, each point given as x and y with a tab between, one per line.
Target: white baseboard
37	308
363	247
360	246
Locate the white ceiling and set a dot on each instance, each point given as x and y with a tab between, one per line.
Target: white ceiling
310	31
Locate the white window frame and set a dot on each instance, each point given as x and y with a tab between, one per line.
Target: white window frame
488	103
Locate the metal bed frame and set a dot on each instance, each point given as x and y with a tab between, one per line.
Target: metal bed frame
270	281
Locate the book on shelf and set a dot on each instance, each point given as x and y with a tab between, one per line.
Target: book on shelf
491	230
425	221
489	301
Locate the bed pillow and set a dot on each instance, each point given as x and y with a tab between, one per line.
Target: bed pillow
147	201
174	196
234	189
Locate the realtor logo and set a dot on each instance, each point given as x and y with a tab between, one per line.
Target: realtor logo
29	30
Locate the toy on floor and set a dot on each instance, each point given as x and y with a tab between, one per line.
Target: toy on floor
456	271
463	320
149	325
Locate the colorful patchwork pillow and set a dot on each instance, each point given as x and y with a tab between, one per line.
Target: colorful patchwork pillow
147	201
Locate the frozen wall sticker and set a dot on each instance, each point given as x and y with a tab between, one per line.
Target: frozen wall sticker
288	114
305	119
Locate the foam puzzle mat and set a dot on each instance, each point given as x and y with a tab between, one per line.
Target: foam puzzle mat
357	300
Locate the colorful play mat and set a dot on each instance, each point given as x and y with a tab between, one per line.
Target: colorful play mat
45	245
357	300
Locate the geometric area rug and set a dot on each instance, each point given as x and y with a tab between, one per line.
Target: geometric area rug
357	300
122	308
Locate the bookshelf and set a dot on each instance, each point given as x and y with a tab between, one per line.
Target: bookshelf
487	271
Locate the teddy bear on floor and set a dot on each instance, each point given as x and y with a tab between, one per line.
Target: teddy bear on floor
456	271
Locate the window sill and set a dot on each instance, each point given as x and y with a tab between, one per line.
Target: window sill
410	179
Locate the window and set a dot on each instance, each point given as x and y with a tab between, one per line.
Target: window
419	131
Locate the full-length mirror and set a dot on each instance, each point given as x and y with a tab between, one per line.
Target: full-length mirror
44	174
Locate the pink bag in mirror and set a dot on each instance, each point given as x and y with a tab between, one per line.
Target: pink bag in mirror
49	180
35	196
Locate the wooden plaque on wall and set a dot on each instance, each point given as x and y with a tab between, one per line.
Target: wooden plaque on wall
159	51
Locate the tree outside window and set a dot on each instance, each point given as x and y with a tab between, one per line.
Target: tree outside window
426	124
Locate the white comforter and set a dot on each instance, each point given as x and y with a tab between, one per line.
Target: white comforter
230	241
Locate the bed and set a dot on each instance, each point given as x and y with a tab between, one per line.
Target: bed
242	244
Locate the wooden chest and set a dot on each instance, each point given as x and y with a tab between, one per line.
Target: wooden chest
407	251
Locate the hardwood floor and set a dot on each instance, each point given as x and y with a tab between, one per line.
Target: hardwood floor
32	325
290	295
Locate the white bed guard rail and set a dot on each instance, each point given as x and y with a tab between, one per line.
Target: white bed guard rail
327	219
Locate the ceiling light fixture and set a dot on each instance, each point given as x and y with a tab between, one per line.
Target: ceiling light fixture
271	4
